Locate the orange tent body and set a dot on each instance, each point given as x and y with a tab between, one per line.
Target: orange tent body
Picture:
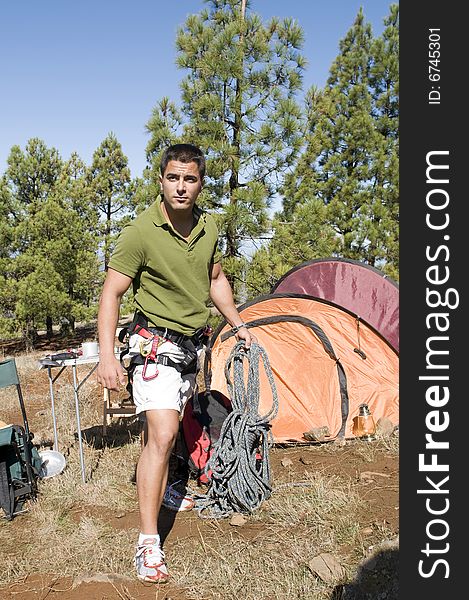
326	362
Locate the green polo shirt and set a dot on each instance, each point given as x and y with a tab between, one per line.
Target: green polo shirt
171	276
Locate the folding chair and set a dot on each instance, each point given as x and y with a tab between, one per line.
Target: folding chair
120	408
20	462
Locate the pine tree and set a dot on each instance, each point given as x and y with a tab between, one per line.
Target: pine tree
302	238
350	160
7	234
342	196
50	268
384	81
31	176
346	130
164	128
238	104
32	173
110	181
6	219
80	265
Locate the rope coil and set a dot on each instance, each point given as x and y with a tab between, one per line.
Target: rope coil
240	478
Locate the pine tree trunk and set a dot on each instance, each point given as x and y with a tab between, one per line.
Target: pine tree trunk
50	331
29	335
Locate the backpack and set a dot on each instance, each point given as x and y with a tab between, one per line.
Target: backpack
20	467
203	418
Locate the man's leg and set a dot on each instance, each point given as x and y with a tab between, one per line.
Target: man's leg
160	434
160	397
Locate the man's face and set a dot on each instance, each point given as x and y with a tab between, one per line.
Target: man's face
181	185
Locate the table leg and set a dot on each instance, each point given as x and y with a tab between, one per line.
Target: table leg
52	401
106	405
77	410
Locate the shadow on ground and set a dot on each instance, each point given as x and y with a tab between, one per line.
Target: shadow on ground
377	579
119	433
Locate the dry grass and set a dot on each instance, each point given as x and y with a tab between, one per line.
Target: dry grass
65	531
65	539
233	569
61	546
298	523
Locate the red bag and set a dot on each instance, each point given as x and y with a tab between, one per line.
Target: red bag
203	418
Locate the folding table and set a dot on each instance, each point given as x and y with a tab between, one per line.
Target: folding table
50	363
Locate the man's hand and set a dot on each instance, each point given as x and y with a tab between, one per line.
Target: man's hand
247	336
110	374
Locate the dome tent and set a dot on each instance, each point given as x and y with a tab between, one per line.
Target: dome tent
326	362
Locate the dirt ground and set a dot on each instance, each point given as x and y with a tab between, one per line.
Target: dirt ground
375	476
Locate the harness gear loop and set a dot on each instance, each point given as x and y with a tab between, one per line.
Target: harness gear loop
151	356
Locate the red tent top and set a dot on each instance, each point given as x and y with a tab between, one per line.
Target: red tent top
358	287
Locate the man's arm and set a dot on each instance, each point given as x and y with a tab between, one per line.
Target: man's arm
222	297
110	373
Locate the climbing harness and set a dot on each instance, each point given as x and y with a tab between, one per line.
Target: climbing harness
240	478
154	337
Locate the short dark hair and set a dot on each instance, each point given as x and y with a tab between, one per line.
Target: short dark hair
185	153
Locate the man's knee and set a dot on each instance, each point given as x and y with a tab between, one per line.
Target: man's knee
167	439
162	441
161	429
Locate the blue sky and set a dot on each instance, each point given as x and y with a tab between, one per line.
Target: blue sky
72	72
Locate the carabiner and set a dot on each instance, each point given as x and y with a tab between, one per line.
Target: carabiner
145	347
151	355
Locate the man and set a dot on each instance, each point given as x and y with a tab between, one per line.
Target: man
169	253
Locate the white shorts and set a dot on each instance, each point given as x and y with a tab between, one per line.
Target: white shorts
169	389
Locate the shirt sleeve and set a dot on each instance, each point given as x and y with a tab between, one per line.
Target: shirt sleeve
217	255
128	256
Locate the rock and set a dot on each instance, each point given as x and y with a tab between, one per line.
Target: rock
372	474
317	434
384	426
287	462
340	441
100	578
326	567
237	520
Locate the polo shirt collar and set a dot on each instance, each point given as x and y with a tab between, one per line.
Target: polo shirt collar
159	219
157	214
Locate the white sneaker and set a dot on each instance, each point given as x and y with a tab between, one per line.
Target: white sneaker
177	501
149	561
